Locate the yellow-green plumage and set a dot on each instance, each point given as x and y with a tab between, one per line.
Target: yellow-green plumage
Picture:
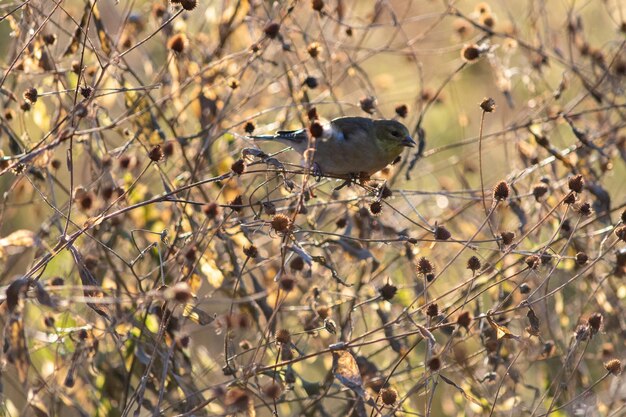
351	145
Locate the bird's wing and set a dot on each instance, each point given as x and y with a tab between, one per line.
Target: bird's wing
292	135
350	128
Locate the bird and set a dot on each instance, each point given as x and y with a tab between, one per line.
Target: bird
349	146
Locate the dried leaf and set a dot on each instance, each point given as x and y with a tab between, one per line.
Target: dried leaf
533	329
501	331
17	242
44	296
15	347
346	370
211	272
461	390
196	315
89	282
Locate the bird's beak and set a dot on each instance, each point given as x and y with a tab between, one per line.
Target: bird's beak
408	142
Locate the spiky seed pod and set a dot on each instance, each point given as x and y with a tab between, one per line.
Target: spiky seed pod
432	310
287	284
470	53
614	367
238	167
177	43
576	183
389	396
488	105
473	264
388	291
441	233
501	191
402	110
424	266
283	336
272	30
464	319
280	223
251	251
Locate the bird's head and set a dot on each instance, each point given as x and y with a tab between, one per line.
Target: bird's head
392	135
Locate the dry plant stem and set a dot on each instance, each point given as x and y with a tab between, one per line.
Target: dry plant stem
495	400
480	169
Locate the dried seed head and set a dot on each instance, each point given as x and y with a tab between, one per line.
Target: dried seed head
488	105
49	38
402	110
287	284
323	312
31	95
211	210
487	20
280	223
595	322
388	291
271	30
273	390
156	154
430	277
233	83
524	288
251	251
368	104
462	28
441	233
385	192
614	366
376	208
81	110
470	53
296	264
464	319
158	10
482	7
389	396
581	258
238	167
584	209
582	332
237	400
539	190
189	4
434	364
249	128
316	129
312	114
424	266
576	183
86	91
236	204
341	223
620	232
25	106
314	49
310	82
283	336
507	238
473	264
623	216
533	261
85	201
177	43
432	310
180	292
569	199
317	5
501	191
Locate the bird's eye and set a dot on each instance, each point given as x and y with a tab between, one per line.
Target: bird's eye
395	134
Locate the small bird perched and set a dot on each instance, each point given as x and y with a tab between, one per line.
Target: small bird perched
350	146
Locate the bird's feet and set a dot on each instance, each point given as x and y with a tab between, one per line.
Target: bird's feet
352	178
317	172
